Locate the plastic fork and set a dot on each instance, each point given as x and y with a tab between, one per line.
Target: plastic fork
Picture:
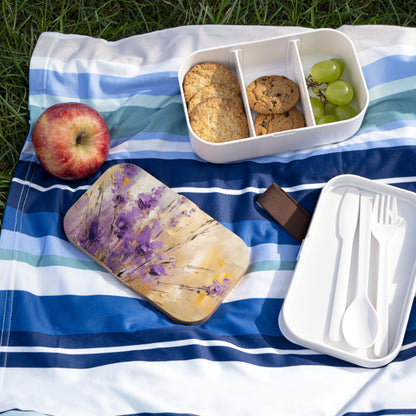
383	228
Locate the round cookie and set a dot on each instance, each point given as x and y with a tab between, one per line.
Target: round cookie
272	94
206	73
213	90
219	120
272	123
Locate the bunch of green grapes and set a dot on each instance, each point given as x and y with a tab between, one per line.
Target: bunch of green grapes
330	95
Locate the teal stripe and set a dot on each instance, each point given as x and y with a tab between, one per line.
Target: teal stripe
263	266
54	260
47	260
130	121
395	107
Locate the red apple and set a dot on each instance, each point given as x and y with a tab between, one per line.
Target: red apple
71	140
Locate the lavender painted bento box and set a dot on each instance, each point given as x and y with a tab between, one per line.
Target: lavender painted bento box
292	56
157	242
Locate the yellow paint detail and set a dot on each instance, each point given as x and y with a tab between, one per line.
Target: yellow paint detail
199	298
226	276
126	181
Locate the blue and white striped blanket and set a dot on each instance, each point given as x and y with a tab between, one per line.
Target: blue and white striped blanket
75	341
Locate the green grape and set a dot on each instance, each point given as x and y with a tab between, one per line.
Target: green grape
344	112
317	108
339	92
325	71
340	63
329	108
326	119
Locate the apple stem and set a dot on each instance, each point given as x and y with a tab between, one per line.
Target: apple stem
80	138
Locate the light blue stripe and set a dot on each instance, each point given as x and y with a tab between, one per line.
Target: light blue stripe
89	86
54	246
389	68
139	100
39	246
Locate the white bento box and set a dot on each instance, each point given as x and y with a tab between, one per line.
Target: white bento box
312	302
292	56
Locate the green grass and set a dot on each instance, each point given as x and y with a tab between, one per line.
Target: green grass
24	20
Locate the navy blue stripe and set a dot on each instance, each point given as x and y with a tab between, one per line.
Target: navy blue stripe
35	225
144	337
179	353
184	353
161	414
224	207
382	163
387	412
374	163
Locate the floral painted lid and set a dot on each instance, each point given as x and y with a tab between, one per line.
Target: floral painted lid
157	242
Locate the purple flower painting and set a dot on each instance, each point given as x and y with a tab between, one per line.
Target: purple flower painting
157	242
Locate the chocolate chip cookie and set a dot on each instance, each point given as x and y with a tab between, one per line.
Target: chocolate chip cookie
272	94
272	123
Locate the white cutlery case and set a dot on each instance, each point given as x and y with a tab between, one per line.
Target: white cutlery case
308	306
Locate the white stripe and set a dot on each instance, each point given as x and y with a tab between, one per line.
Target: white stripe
134	67
165	344
370	55
214	189
82	282
182	189
265	284
397	137
155	345
49	188
200	387
130	146
390	88
43	281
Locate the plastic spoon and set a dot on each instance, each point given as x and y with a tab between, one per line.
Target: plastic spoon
347	224
360	322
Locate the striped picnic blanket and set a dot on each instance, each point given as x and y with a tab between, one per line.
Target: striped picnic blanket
75	341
